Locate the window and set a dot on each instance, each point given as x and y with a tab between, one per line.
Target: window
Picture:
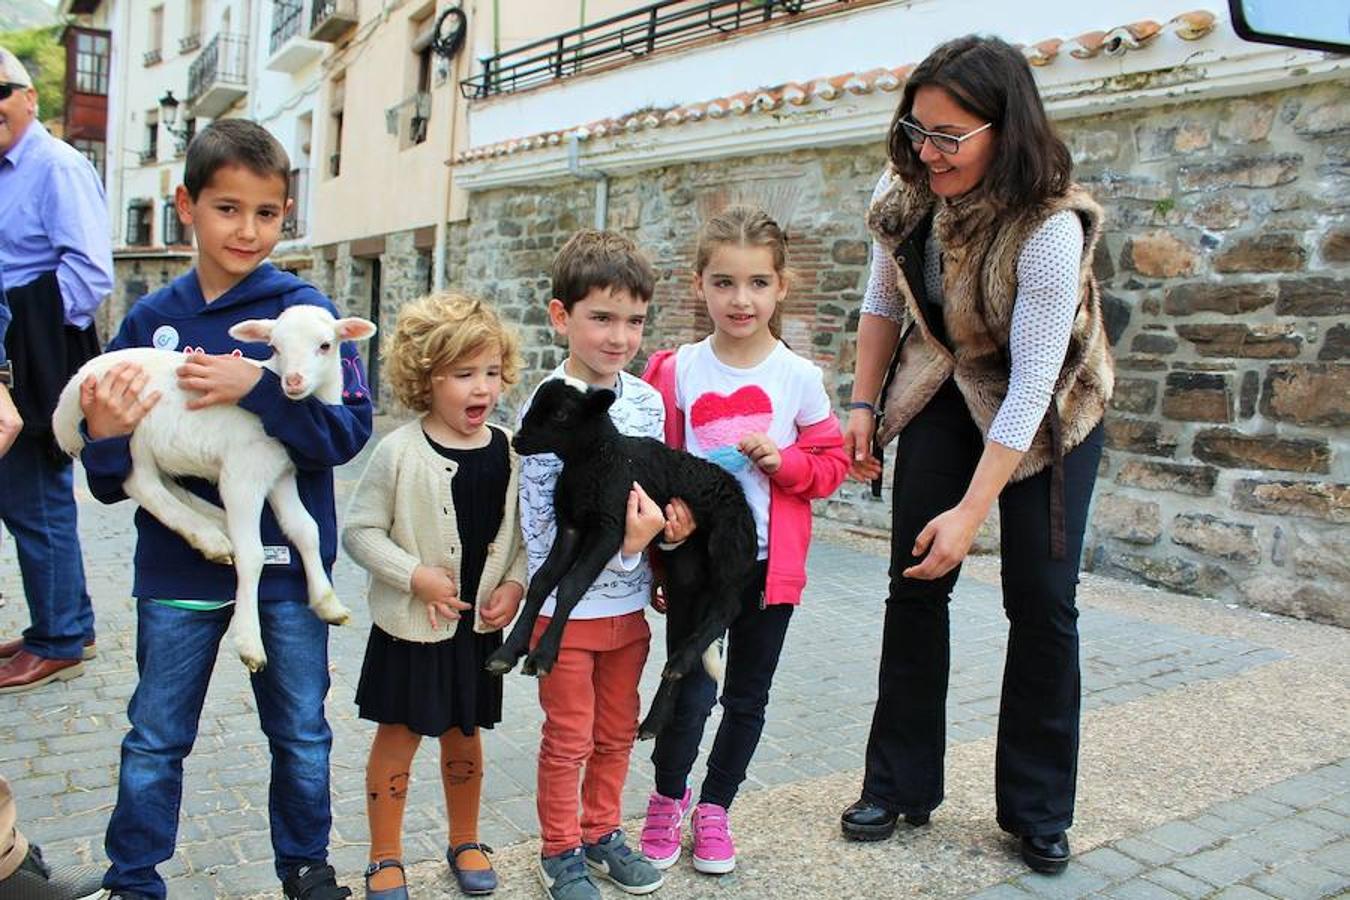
150	153
94	151
156	50
192	38
175	233
91	63
336	105
189	132
138	223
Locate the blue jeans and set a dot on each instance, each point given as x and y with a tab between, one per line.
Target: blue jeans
37	505
175	653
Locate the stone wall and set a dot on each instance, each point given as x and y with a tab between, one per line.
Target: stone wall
1225	271
133	278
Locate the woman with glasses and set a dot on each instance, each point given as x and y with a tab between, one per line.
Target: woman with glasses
981	348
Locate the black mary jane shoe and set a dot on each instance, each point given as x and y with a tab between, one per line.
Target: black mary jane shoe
400	892
1046	853
864	821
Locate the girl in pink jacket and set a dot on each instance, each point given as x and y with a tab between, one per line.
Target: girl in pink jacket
743	400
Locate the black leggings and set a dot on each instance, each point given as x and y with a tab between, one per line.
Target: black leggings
754	643
1037	753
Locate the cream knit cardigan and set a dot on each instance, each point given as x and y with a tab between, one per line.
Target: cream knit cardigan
402	516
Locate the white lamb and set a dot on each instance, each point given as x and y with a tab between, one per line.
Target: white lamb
228	445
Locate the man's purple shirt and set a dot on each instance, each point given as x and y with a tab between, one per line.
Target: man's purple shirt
55	217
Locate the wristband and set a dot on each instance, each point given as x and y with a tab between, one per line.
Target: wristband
861	404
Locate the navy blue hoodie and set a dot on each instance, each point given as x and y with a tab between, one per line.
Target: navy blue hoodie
317	436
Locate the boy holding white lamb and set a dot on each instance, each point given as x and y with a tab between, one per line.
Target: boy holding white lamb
235	196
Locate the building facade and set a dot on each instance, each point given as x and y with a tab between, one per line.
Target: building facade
1222	166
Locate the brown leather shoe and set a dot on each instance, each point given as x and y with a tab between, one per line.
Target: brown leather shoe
26	670
9	648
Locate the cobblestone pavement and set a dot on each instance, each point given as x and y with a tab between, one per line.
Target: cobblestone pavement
59	745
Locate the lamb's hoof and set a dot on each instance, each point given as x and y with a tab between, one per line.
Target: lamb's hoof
255	662
216	548
499	663
536	666
330	609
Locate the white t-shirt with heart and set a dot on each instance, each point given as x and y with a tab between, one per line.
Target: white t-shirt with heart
722	404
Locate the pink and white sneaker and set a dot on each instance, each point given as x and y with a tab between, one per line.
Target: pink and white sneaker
714	853
660	841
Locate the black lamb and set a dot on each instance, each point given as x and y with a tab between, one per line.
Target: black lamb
704	577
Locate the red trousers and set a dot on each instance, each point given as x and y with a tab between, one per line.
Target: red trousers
591	703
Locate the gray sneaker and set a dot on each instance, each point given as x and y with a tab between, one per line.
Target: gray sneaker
564	876
629	870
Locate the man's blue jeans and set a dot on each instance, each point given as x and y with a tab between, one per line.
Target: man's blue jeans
175	653
37	505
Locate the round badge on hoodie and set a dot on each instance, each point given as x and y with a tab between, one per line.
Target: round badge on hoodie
165	338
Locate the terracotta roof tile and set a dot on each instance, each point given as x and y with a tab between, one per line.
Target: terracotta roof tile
1116	41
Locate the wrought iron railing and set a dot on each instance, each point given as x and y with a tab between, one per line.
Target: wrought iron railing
224	60
635	34
287	17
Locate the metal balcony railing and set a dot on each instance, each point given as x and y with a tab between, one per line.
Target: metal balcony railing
224	60
330	19
635	34
287	17
189	42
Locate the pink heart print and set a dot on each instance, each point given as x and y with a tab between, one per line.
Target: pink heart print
721	420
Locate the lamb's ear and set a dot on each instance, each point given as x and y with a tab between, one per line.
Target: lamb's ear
600	401
256	331
354	328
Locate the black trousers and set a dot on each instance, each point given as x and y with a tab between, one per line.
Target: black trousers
1037	753
754	643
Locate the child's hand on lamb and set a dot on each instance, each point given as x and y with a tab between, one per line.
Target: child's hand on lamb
679	522
502	604
644	521
435	586
113	405
761	451
219	379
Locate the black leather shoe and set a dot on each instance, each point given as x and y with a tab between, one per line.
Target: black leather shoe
1046	853
864	821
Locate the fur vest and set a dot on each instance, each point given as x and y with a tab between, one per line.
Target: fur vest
980	251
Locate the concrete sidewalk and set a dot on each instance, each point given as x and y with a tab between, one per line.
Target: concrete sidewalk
1215	753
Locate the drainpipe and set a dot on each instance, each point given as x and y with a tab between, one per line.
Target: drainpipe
601	180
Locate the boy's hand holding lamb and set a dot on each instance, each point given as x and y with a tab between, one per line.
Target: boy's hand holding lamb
435	586
219	379
643	522
502	604
113	405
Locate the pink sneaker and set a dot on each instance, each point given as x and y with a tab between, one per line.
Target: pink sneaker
714	853
660	841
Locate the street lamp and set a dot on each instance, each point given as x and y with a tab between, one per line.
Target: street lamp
168	115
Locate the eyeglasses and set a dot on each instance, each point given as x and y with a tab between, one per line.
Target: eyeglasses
942	143
7	88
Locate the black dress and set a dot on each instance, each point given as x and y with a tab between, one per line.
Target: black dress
433	687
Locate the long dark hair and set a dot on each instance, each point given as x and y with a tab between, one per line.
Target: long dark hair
990	79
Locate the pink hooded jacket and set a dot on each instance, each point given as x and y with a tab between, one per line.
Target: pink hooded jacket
812	468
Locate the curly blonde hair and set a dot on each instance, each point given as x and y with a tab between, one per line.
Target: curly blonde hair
436	331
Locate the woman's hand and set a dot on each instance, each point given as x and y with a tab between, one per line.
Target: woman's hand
858	433
502	604
435	586
946	540
762	451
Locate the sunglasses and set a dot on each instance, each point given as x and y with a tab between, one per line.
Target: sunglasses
7	88
942	143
